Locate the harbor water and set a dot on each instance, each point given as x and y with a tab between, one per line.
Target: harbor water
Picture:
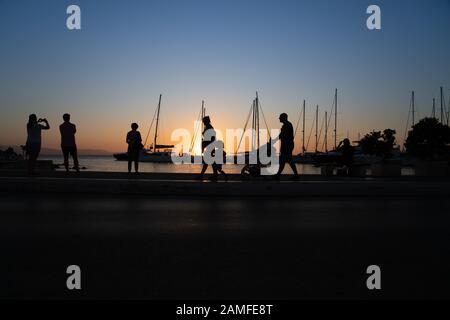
109	164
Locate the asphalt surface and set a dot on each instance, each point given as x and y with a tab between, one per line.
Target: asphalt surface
138	247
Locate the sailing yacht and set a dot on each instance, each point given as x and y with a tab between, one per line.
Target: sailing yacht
318	157
258	147
153	153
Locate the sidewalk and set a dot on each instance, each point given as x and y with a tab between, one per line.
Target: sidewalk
160	184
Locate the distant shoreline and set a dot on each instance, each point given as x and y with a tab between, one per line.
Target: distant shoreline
51	152
80	154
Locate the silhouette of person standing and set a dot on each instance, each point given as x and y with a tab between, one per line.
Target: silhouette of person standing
347	151
211	137
34	140
68	145
287	146
135	146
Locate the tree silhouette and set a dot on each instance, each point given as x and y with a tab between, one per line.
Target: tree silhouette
377	143
428	139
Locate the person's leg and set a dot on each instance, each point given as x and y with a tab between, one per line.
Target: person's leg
224	174
205	166
76	164
281	168
130	161
294	168
66	158
136	162
34	151
32	157
215	173
202	173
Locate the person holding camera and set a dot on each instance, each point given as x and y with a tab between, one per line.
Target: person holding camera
34	140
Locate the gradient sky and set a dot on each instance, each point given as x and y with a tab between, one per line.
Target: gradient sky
111	72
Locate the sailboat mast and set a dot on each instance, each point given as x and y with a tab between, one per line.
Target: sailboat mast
303	130
335	117
413	106
253	125
326	131
442	105
317	127
257	122
157	123
433	113
203	114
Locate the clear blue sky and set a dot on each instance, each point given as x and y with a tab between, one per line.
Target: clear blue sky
111	72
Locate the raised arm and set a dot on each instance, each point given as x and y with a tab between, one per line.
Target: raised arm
47	125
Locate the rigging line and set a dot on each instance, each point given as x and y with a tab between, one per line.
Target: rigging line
151	125
321	129
310	133
245	128
407	122
331	113
264	118
196	131
298	122
323	144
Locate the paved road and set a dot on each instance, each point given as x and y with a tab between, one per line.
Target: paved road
223	248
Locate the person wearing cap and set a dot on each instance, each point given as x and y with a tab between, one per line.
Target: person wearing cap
287	146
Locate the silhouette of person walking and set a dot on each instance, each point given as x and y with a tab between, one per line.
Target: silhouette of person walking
287	146
68	145
211	137
217	166
34	140
135	146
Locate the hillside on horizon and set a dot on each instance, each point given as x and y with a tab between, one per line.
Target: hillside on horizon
57	152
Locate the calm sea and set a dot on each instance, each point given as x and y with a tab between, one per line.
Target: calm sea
109	164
